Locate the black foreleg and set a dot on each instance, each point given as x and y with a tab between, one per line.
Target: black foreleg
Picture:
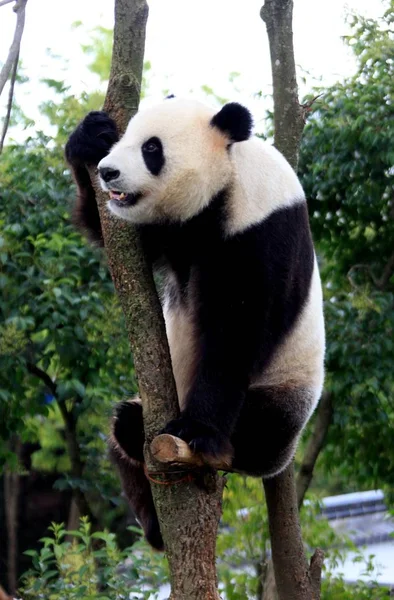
87	145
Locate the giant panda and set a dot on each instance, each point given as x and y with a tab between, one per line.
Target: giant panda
224	217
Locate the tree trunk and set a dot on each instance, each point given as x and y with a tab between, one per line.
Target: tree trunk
11	503
70	430
294	579
269	588
288	113
73	516
188	513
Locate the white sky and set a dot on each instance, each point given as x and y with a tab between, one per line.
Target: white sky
189	44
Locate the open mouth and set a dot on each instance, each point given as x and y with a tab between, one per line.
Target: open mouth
122	199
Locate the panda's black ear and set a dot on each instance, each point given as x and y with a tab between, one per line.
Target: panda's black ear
235	121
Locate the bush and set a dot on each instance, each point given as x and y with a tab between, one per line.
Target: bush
75	565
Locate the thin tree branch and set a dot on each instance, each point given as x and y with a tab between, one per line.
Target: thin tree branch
379	282
306	107
20	9
11	497
34	370
314	447
3	2
9	102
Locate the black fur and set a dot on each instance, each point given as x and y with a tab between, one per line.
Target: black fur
87	145
137	489
129	415
153	155
268	428
127	452
92	139
235	121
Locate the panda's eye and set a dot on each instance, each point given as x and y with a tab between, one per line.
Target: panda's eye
151	146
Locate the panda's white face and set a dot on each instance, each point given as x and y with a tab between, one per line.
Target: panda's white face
169	164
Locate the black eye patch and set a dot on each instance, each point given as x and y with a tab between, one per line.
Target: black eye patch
152	153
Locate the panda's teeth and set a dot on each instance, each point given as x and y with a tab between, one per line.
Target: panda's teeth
117	195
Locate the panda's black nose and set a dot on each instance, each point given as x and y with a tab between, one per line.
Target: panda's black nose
108	174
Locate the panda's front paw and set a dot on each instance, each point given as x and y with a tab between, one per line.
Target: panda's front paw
92	139
214	447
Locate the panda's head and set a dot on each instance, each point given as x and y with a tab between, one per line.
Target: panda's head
172	160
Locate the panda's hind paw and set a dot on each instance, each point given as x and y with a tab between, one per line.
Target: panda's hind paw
213	446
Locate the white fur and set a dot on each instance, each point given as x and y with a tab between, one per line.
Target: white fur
263	182
182	341
197	164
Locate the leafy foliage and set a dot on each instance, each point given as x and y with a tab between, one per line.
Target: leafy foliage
243	542
347	167
81	564
61	331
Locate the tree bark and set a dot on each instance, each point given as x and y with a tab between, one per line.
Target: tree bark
295	580
288	113
188	513
269	587
305	474
9	102
314	447
13	53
